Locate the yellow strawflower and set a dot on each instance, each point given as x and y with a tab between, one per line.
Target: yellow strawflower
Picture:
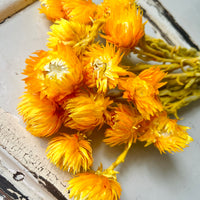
124	128
68	33
85	111
102	67
42	116
99	185
54	74
164	133
124	26
52	9
82	11
142	90
70	152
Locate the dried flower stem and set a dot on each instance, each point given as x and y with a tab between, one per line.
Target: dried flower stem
121	157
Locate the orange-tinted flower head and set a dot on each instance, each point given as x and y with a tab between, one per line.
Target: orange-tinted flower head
102	68
42	116
54	74
95	186
124	26
70	152
143	91
124	128
52	9
165	134
105	8
85	111
82	11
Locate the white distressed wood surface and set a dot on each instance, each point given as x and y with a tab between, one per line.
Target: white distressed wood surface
144	172
186	14
10	7
155	12
25	183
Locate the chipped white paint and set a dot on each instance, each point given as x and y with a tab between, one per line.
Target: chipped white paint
26	182
30	152
10	7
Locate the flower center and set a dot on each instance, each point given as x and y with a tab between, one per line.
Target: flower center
56	68
100	67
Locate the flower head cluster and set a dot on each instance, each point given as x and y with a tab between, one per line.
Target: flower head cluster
82	11
81	83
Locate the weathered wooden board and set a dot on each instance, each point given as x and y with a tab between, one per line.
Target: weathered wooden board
24	168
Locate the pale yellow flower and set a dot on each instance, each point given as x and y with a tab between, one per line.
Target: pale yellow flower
68	33
70	152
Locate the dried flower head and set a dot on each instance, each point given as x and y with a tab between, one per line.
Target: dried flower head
102	68
68	33
70	152
124	129
52	9
95	186
85	111
124	26
42	116
54	74
165	134
143	91
82	11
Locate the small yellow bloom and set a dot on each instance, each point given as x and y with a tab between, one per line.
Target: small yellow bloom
67	33
82	11
102	68
42	117
124	26
95	186
165	134
70	152
126	121
85	111
54	74
52	9
143	91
